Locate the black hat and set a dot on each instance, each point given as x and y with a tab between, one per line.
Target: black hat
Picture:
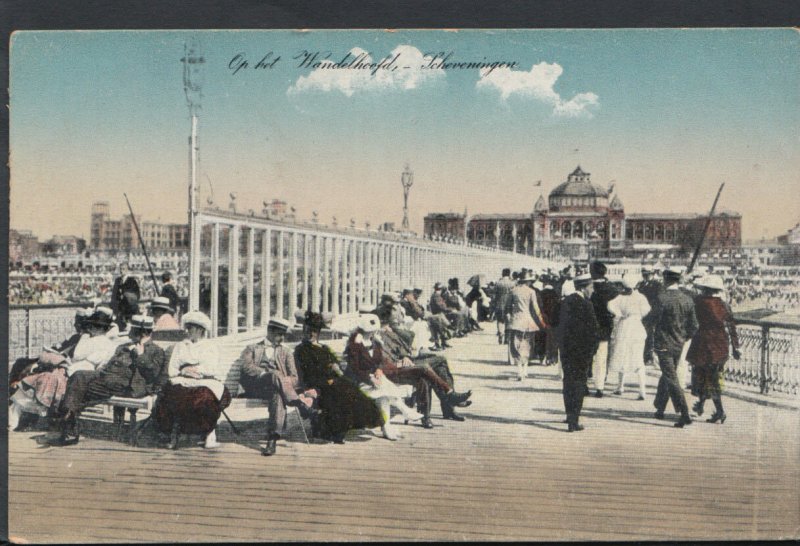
452	283
314	321
597	270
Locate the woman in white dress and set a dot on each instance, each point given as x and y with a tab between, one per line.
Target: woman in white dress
364	362
194	398
626	346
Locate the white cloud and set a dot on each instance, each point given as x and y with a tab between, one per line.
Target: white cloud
538	84
405	73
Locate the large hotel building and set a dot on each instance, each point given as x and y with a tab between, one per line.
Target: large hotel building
581	220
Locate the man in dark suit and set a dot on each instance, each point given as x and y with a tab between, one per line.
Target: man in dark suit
137	369
674	322
168	291
125	296
579	336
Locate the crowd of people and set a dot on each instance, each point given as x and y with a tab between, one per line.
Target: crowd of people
591	327
78	287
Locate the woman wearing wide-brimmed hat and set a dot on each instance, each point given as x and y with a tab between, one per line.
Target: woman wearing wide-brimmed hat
365	359
709	351
343	406
41	393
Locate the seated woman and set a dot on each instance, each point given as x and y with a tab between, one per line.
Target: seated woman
194	398
24	367
365	360
342	405
41	392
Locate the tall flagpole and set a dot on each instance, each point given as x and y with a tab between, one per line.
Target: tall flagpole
705	230
192	86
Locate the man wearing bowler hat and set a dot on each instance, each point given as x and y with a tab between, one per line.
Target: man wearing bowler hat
579	336
674	322
269	372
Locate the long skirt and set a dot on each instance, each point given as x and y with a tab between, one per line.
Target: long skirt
194	409
344	407
40	392
707	380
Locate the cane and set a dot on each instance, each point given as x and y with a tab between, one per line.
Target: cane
235	430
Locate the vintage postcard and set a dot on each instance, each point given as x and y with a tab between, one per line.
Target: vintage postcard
455	285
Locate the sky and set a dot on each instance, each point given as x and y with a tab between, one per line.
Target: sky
667	115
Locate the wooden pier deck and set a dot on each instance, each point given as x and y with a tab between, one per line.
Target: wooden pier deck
510	472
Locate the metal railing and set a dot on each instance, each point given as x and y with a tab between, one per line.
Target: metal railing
247	269
30	327
770	356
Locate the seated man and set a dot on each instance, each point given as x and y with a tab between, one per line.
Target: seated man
269	372
163	315
427	373
390	307
137	369
458	313
440	309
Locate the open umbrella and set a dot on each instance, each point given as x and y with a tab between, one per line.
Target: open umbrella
476	280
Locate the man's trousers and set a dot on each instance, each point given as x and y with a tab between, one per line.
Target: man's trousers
575	377
669	385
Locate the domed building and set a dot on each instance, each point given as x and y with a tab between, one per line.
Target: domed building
582	220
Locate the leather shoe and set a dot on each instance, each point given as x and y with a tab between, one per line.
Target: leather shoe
456	398
682	422
659	415
574	427
270	448
426	422
466	404
598	394
453	416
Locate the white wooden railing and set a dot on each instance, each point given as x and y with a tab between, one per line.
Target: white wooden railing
281	267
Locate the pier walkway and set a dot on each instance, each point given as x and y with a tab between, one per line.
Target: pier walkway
510	472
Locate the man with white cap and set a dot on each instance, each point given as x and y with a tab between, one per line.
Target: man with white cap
137	369
269	372
579	336
674	322
163	314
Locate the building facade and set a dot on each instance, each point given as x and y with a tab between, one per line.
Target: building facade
109	234
581	220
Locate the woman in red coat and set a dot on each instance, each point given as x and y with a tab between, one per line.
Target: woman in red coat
709	349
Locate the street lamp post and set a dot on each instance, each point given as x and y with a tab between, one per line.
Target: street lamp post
407	180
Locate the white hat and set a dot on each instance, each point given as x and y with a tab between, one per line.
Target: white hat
198	319
369	323
278	324
626	282
711	281
582	280
161	303
141	322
